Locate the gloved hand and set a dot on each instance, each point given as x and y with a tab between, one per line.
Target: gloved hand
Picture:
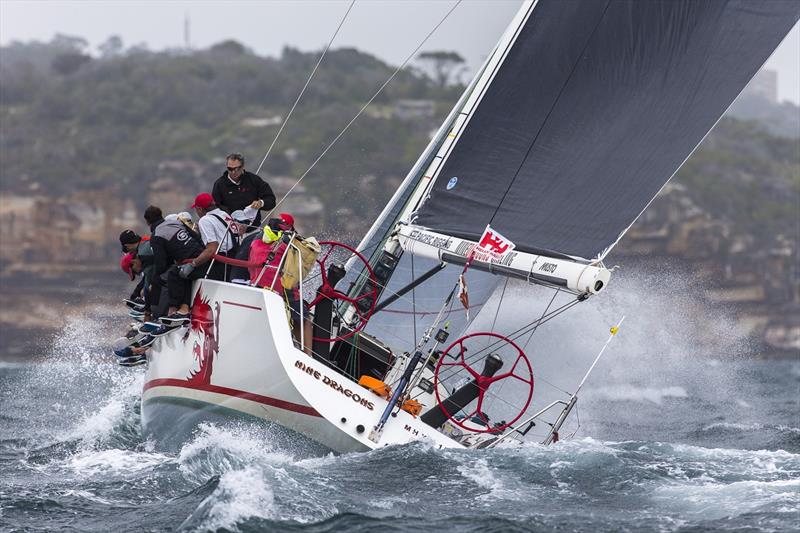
185	270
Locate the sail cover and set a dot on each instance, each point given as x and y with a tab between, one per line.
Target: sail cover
595	107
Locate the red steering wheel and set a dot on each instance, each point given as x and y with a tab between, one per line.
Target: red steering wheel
524	374
327	291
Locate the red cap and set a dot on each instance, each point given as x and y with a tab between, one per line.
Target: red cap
203	200
126	264
286	217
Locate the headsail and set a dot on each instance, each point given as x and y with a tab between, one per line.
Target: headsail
594	108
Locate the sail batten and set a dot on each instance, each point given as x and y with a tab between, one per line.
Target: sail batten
593	109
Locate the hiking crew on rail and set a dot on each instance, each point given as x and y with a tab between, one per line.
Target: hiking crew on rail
177	252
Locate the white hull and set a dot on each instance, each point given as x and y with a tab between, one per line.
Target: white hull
243	362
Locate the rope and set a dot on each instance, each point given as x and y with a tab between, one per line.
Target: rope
364	107
299	96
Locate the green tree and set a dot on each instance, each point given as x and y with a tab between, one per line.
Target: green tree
112	47
447	67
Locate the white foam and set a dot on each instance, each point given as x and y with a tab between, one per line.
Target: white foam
390	502
722	463
97	426
719	500
639	394
751	427
497	484
14	364
215	451
241	494
86	495
115	462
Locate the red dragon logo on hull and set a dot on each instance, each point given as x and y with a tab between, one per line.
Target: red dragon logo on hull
205	321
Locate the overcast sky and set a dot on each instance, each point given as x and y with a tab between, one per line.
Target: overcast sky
389	29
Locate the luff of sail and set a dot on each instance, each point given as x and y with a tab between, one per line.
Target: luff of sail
594	108
399	324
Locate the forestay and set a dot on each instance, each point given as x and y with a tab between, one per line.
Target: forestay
594	108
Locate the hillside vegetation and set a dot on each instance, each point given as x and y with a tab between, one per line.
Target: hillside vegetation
71	121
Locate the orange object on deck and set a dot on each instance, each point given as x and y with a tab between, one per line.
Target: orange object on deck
377	386
412	406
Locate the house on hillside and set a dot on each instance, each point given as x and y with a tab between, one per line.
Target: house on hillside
414	109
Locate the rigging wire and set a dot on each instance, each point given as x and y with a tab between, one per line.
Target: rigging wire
525	346
414	299
499	304
518	333
364	107
303	90
514	335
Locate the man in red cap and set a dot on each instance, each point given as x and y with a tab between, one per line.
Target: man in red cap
214	226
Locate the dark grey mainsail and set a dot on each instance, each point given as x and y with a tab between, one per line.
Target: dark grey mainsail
595	107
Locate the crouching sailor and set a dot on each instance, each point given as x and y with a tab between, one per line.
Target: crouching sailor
138	260
180	253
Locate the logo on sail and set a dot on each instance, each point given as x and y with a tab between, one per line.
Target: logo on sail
452	183
492	246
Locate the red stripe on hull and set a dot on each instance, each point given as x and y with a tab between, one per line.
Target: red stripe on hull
242	305
266	400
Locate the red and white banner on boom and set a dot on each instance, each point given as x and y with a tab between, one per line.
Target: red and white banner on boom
492	246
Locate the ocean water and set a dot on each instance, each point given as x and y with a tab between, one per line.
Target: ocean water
680	430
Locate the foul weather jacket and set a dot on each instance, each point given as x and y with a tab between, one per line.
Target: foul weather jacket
231	196
172	243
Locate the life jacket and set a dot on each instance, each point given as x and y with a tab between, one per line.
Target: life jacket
271	254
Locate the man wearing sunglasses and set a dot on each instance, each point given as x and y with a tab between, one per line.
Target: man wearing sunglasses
237	188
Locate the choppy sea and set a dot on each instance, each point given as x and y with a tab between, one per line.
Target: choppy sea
670	439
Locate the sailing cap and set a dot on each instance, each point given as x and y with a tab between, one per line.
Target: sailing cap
128	237
126	264
286	217
203	200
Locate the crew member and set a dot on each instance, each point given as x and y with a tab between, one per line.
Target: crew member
153	216
139	250
269	251
237	188
130	240
242	223
183	258
214	226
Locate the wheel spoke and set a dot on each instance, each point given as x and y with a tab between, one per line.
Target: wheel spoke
485	382
528	381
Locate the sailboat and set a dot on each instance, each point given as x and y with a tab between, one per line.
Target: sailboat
580	115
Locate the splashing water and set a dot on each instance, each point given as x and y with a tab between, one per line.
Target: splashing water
686	433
